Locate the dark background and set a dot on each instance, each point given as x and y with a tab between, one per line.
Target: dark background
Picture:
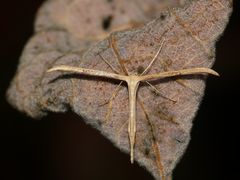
62	147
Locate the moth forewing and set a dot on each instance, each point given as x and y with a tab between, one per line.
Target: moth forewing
180	72
88	72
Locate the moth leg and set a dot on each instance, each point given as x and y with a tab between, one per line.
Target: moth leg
109	64
112	44
158	93
184	84
154	89
154	59
110	101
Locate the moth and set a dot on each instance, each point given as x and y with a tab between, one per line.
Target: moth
133	82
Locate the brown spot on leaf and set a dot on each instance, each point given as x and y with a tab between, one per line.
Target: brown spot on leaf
88	20
140	69
122	11
163	17
162	113
165	116
146	151
100	123
106	23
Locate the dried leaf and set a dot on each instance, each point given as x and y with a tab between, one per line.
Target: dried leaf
164	119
